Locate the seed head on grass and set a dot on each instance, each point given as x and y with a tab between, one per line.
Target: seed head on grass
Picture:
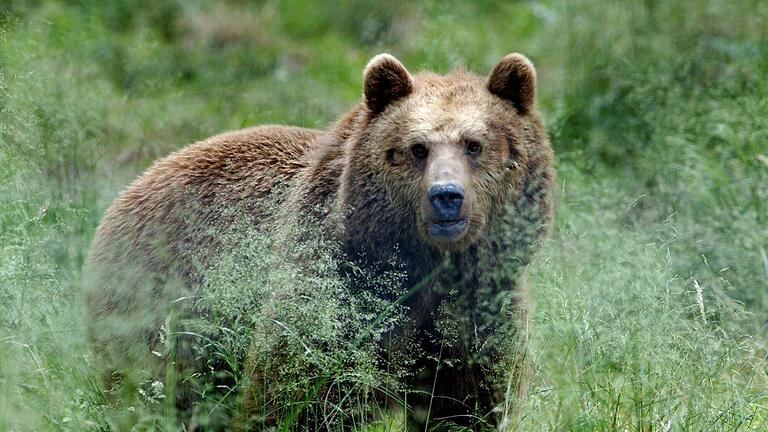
700	300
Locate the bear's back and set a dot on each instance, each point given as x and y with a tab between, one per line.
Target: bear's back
146	251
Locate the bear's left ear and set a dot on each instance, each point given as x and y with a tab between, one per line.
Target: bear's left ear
385	80
514	79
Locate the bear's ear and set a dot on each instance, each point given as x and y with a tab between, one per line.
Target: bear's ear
385	80
514	79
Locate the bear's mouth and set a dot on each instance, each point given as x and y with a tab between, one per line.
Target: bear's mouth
447	229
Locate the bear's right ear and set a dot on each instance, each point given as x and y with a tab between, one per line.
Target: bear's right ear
385	80
514	79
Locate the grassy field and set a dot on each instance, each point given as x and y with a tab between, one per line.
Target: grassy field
651	297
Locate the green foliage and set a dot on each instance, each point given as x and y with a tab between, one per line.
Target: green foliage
657	111
621	340
309	344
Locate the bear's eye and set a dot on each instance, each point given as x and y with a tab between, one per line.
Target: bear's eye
419	151
474	148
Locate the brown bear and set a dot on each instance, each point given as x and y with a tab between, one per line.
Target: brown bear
450	176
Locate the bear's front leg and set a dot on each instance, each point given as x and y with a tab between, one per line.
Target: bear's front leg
475	362
448	392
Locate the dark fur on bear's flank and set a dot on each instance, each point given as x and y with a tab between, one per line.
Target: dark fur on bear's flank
483	134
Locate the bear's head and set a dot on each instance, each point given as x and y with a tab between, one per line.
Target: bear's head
446	153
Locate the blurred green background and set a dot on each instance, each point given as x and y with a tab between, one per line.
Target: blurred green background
658	113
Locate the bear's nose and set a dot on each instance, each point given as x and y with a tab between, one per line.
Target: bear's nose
446	199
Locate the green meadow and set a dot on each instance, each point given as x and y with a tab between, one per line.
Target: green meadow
650	299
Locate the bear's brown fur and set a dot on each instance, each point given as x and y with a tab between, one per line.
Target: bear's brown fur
434	172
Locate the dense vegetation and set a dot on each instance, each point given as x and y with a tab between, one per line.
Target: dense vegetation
651	298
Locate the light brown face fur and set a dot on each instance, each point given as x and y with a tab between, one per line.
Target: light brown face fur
448	130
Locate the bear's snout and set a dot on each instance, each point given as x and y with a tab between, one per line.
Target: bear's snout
447	200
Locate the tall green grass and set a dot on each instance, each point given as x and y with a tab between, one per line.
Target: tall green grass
657	112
